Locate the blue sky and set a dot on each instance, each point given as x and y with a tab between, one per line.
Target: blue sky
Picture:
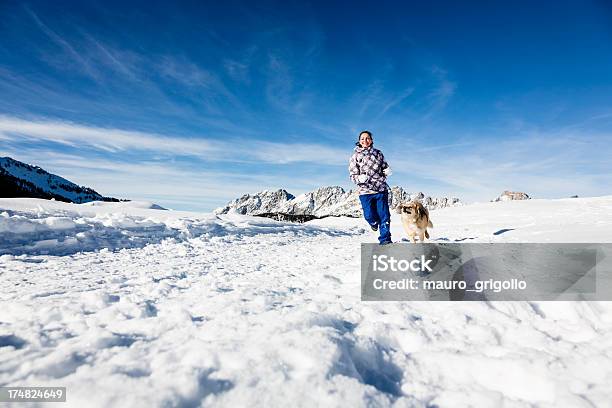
194	104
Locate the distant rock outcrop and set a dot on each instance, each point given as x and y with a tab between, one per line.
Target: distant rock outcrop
512	195
398	195
19	179
260	203
323	202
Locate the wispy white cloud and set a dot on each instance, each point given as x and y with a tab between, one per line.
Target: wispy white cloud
107	139
173	184
394	100
185	72
120	61
420	98
283	153
238	71
123	70
239	68
542	165
65	45
280	84
119	140
205	86
443	91
290	67
442	94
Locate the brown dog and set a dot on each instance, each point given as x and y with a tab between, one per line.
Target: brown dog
415	219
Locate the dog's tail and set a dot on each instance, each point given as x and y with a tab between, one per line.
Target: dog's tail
429	224
426	234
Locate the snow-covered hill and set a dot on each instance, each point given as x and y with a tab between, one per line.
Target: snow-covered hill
320	203
131	306
19	179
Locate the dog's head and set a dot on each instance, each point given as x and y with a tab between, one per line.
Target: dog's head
413	209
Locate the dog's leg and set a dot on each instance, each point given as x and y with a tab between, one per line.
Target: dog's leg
422	237
412	238
426	234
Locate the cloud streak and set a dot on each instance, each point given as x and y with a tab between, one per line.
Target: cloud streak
118	140
542	165
65	45
173	184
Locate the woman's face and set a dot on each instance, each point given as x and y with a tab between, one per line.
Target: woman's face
365	140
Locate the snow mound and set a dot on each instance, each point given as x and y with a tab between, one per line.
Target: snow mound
55	228
126	204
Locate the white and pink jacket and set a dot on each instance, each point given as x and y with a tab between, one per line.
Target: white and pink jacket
371	162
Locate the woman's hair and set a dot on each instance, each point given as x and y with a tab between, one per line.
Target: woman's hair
361	133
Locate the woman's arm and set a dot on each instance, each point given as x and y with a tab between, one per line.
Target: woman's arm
354	169
385	166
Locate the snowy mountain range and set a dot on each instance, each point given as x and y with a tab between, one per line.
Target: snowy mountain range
18	179
323	202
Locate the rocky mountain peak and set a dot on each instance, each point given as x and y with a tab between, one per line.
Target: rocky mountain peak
330	201
18	179
512	195
258	203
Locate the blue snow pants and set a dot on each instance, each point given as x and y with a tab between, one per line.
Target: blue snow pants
376	212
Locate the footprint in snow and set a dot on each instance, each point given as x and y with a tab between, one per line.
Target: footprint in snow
501	231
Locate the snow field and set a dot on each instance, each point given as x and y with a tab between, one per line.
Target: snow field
244	311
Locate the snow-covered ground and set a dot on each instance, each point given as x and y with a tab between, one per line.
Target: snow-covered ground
126	305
